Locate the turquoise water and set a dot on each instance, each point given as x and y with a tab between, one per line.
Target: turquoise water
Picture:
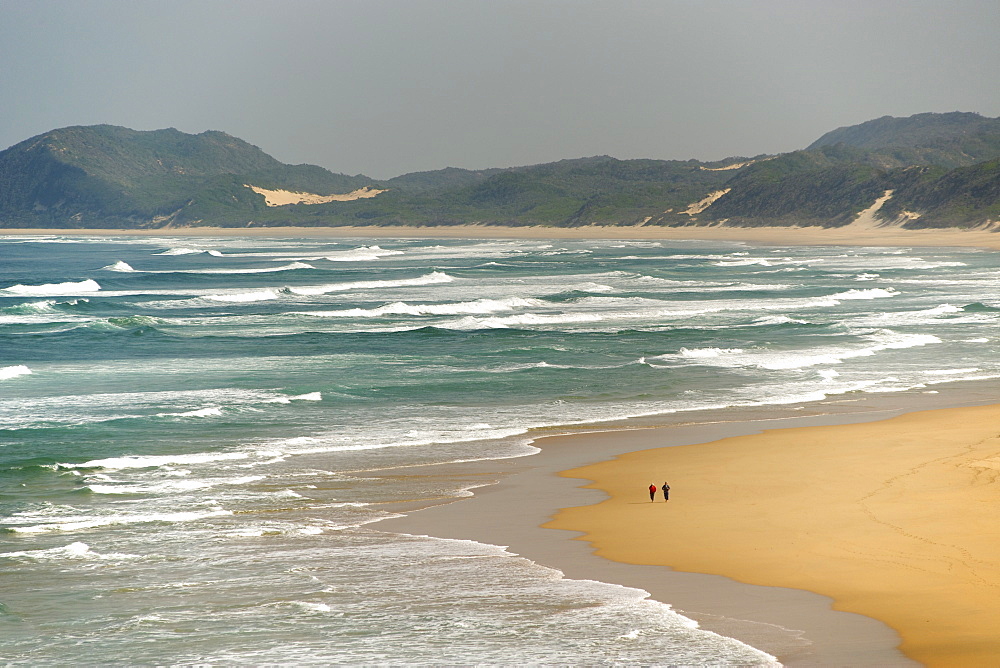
198	437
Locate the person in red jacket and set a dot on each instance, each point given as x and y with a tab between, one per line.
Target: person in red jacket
652	492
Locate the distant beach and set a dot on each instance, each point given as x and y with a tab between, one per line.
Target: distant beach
862	234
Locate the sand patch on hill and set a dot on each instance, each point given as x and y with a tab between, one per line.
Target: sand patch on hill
286	197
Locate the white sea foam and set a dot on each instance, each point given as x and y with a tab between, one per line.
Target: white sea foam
363	254
402	308
155	461
524	320
256	270
953	315
182	251
211	411
784	360
309	606
705	353
78	523
45	306
310	396
8	372
768	320
262	270
244	297
76	551
170	486
872	293
427	279
54	289
119	266
743	263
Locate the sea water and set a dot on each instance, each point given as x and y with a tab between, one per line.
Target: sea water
199	436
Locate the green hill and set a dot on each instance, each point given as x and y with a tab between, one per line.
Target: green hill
954	139
941	168
107	176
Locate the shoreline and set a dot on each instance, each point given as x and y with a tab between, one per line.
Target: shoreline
850	235
798	626
893	519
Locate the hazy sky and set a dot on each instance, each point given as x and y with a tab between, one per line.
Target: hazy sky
384	88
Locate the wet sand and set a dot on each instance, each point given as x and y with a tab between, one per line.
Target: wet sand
894	519
545	508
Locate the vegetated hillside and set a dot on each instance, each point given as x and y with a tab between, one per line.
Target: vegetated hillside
847	170
941	170
108	176
826	186
935	197
954	139
569	192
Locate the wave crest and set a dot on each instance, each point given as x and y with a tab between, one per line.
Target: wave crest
53	289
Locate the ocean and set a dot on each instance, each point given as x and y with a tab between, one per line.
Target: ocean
198	437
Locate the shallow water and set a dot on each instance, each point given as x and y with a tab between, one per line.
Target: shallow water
195	441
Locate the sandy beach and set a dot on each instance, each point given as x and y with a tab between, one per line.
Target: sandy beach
858	234
894	519
861	535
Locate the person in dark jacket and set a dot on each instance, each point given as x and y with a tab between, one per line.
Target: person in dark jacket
666	492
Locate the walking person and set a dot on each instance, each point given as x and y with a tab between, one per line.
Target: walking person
666	492
652	492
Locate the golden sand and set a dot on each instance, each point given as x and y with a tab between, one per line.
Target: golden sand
898	520
862	234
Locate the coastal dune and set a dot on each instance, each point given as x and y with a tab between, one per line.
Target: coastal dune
895	520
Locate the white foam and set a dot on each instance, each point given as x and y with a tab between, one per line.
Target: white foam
154	461
763	358
743	263
76	550
427	279
776	320
201	412
8	372
244	297
312	607
75	524
183	251
260	270
871	293
526	319
264	270
45	306
704	353
120	266
363	254
310	396
169	486
53	289
402	308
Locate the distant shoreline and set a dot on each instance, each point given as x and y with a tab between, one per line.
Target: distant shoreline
850	235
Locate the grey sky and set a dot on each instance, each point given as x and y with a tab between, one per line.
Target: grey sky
383	88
